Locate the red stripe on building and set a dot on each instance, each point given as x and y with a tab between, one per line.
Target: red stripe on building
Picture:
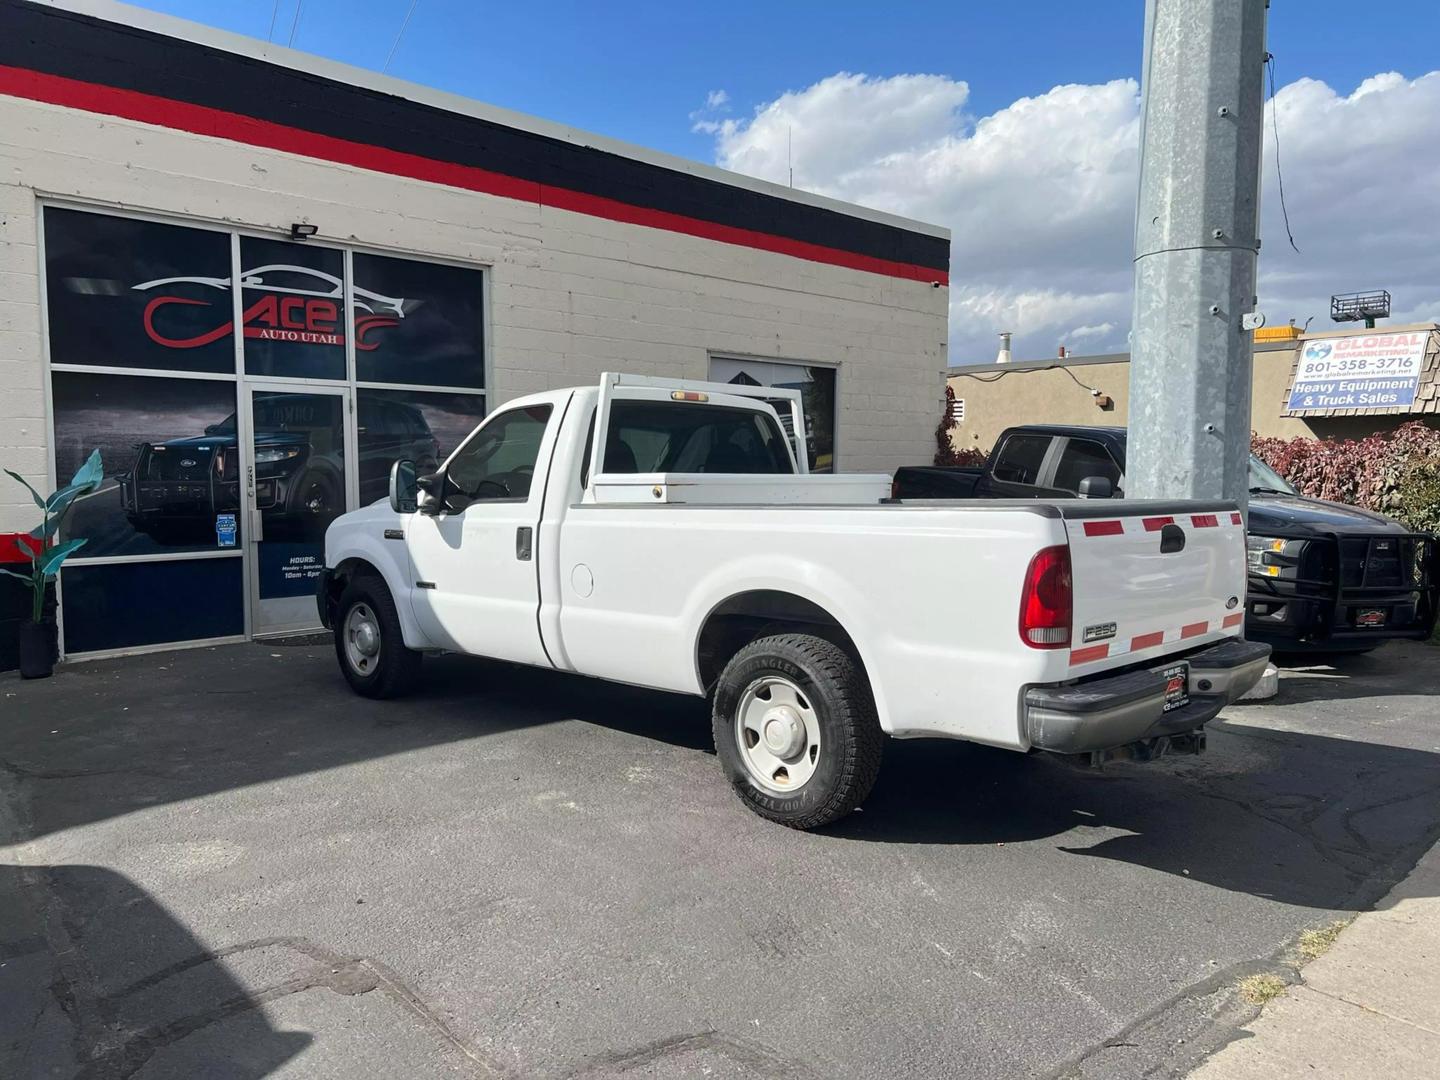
1194	629
1089	653
1204	521
1104	528
10	549
216	123
1155	524
1232	620
1147	641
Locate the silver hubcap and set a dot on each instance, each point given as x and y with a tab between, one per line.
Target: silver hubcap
778	734
362	639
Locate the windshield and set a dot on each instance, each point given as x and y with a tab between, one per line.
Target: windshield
1264	478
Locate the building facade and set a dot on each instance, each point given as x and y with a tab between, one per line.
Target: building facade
253	278
1340	384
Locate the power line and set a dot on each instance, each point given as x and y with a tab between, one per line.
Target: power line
401	33
1275	128
274	11
295	23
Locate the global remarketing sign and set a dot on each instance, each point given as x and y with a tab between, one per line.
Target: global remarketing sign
1374	371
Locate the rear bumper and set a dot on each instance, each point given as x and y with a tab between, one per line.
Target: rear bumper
1113	711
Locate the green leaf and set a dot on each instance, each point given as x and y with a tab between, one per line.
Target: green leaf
61	499
33	550
33	493
19	577
46	530
91	475
50	564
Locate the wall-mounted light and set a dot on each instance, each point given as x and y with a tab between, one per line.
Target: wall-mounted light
303	230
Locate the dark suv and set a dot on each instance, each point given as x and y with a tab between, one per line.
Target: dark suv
177	487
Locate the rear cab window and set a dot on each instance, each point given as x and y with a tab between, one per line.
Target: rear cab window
689	437
1020	459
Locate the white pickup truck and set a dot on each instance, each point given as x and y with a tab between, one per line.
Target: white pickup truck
686	549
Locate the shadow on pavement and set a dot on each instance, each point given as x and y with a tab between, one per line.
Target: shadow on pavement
1301	818
113	994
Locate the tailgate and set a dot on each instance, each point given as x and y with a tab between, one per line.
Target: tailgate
1152	578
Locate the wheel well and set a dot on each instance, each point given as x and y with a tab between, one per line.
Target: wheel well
748	616
340	577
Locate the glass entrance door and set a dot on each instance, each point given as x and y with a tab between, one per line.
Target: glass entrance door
296	483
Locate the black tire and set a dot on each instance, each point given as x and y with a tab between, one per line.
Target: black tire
395	669
850	743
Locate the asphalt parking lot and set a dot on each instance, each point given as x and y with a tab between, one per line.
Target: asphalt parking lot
221	863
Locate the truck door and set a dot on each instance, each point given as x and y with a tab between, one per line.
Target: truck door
1080	459
476	586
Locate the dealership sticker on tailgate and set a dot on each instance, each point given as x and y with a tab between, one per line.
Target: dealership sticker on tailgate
1177	686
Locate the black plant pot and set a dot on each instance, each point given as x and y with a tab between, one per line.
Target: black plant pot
38	649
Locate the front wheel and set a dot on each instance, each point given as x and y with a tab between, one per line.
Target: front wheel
368	641
795	730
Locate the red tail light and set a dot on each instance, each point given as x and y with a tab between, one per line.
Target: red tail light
1047	600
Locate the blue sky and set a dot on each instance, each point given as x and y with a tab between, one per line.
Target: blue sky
635	69
1014	123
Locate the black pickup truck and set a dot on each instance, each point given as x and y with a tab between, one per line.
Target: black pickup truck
1323	576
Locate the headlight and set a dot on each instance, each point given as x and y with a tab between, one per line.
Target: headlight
1271	556
274	454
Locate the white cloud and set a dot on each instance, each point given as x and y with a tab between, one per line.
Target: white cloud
716	98
708	119
1040	195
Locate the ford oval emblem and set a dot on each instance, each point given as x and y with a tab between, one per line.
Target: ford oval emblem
1230	604
187	463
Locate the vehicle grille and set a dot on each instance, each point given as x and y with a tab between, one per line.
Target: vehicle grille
1380	562
167	463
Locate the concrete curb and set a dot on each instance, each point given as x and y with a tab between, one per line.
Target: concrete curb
1370	1006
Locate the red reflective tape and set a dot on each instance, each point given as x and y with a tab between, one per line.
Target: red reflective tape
1194	629
1232	620
219	124
1204	521
1090	652
1157	523
1147	641
1104	528
1235	519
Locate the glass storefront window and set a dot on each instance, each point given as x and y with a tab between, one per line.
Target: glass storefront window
422	426
817	390
172	476
291	297
418	322
127	293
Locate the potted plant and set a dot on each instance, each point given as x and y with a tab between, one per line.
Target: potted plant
38	641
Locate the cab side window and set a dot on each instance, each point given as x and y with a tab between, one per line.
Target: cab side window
498	462
1082	458
1020	459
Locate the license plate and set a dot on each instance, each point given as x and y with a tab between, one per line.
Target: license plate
1177	686
1370	616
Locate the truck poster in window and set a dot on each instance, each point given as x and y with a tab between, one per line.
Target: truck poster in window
1374	371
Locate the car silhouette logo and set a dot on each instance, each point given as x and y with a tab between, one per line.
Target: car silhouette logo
1318	350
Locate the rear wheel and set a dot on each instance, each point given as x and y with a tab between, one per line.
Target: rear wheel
368	641
795	730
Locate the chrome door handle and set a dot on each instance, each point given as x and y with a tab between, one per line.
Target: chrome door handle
524	537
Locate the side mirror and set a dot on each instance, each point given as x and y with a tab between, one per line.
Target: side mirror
1096	487
404	496
430	485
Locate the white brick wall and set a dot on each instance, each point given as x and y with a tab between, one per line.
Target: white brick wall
571	295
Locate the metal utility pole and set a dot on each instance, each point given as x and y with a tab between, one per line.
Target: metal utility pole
1202	106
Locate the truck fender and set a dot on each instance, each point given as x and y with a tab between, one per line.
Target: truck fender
391	560
796	577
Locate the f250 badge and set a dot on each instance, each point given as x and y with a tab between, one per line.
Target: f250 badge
1098	632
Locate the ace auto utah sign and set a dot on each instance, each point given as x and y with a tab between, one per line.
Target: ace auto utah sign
1374	371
